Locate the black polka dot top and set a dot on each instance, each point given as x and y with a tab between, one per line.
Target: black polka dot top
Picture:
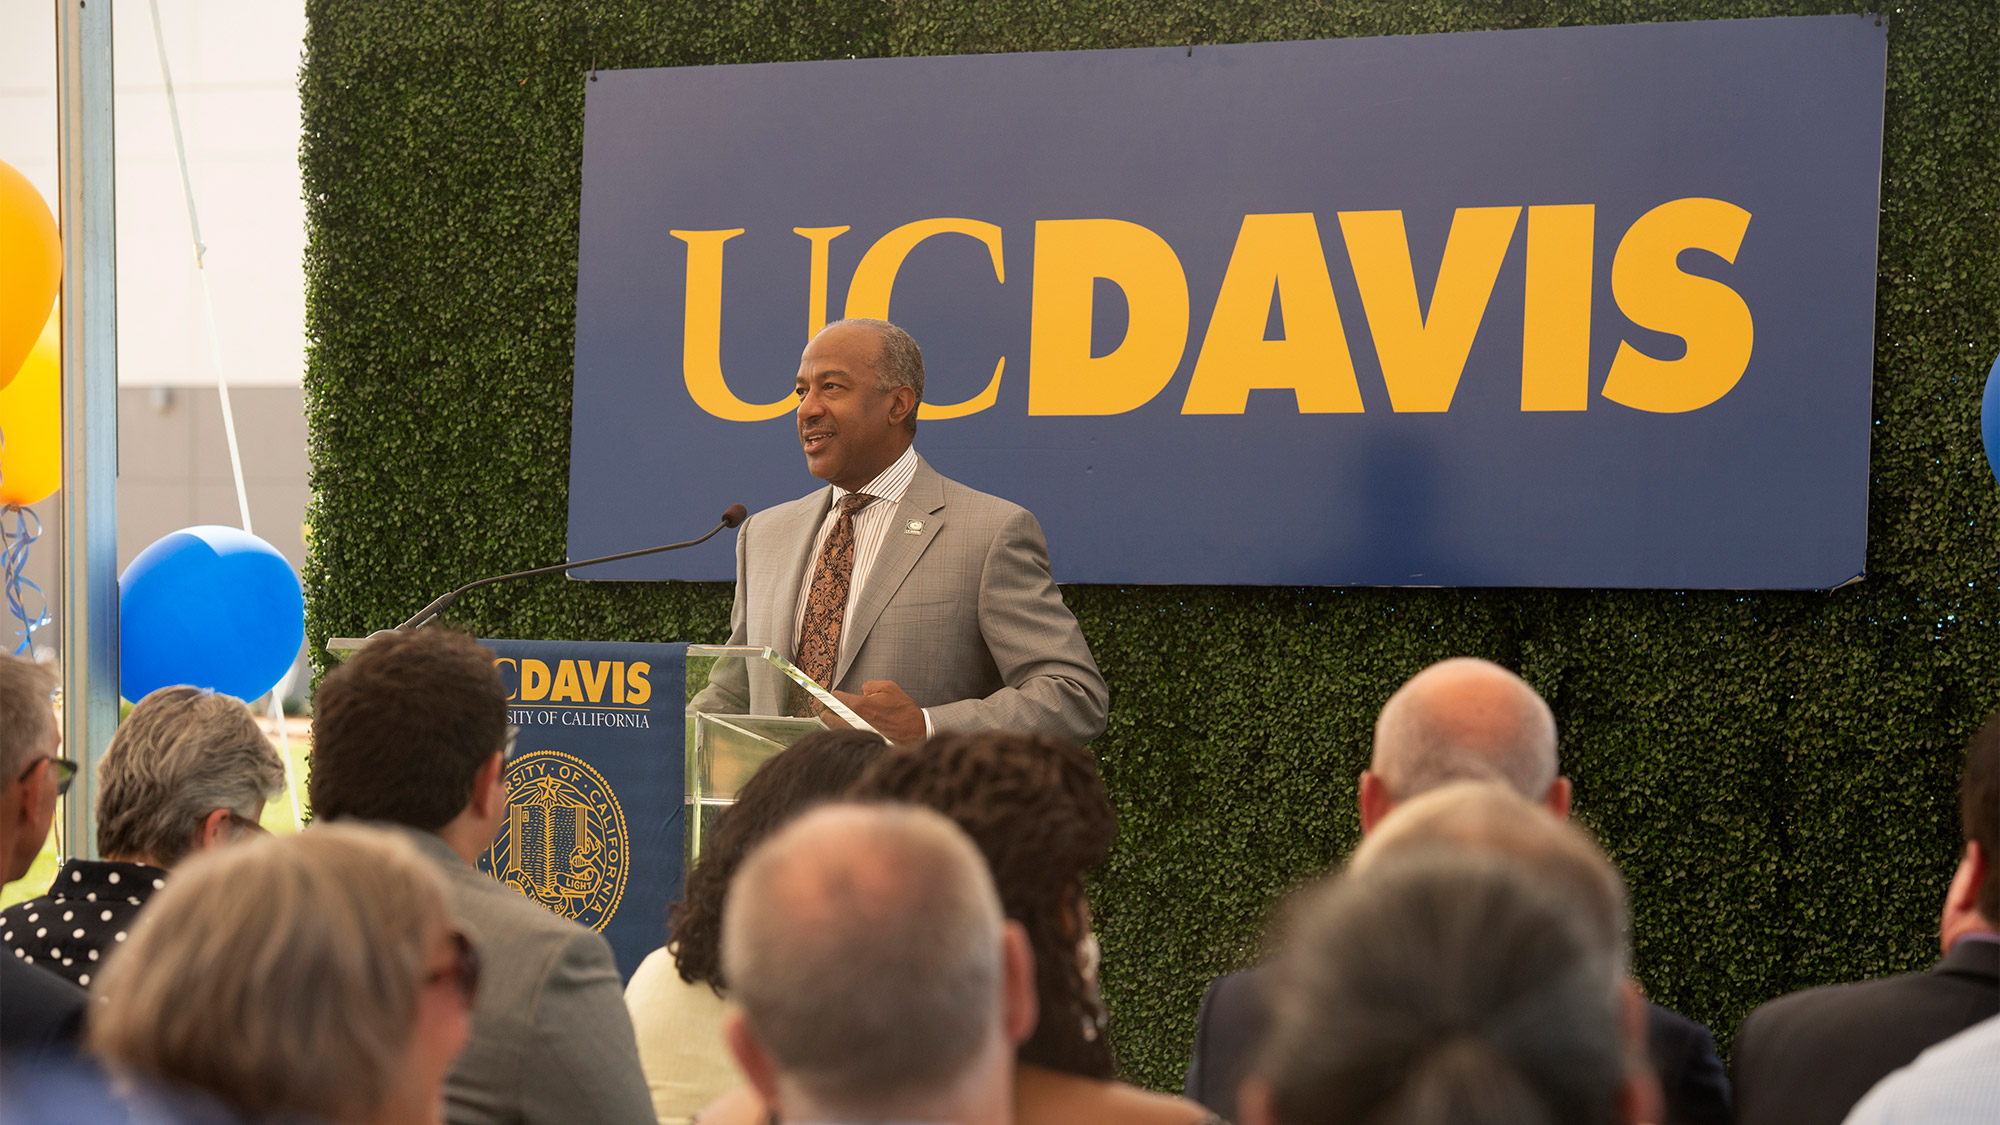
85	916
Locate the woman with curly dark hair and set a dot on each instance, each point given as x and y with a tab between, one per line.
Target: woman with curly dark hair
675	997
1038	811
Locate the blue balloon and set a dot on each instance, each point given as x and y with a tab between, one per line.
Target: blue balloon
215	607
1989	419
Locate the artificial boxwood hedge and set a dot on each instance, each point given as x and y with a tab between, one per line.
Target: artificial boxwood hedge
1775	772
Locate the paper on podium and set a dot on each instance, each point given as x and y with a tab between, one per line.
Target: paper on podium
745	703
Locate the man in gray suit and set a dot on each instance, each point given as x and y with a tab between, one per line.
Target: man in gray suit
924	605
411	734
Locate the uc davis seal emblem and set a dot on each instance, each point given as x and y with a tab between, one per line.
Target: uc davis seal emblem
564	844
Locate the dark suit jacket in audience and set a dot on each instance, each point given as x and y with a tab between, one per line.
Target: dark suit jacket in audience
1233	1018
1691	1074
39	1011
1805	1059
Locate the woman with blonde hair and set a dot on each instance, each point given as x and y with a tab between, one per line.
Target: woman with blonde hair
308	978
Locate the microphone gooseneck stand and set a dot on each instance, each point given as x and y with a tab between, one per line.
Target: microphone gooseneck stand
736	514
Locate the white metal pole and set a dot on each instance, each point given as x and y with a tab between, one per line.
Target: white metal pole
88	505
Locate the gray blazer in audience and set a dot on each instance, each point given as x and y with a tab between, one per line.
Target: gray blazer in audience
551	1041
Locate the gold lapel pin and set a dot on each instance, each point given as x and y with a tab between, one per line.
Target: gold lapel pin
913	527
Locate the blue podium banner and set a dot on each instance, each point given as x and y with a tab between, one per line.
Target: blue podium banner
1585	306
596	785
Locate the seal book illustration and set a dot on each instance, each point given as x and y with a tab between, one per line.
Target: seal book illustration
565	843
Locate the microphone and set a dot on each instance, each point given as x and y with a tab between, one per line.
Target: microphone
736	514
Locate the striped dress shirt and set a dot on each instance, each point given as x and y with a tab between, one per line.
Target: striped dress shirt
871	527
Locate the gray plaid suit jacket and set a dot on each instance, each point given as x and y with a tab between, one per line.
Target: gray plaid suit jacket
960	610
551	1041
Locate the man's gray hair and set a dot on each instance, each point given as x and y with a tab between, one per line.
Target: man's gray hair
181	754
864	943
26	719
1465	719
1489	818
901	362
1443	987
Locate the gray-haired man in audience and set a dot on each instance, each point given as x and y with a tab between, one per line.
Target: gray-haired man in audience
187	769
1445	985
41	1011
878	978
1462	719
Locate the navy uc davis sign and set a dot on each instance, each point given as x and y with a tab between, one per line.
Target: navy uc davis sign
595	785
1569	307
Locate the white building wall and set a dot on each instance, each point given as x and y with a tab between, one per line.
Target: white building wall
235	69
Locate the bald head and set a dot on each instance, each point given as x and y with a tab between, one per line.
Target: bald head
1461	719
864	943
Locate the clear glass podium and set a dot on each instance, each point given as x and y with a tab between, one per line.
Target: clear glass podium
744	704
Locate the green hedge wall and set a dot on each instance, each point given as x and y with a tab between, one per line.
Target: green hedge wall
1775	772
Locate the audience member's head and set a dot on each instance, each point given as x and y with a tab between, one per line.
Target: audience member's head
312	977
818	767
186	769
1039	813
1489	818
1972	905
32	774
411	730
1462	719
1443	988
877	976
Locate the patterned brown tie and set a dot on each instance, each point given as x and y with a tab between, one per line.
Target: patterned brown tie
818	652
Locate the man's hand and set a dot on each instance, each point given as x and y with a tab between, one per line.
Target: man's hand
888	709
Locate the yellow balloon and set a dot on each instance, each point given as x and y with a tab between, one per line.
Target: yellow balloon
30	267
31	423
